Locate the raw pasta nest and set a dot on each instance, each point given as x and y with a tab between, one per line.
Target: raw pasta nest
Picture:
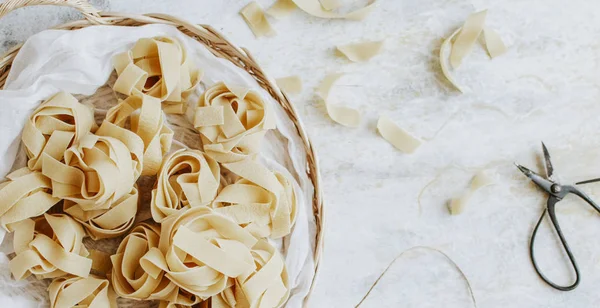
54	126
49	246
72	291
187	178
158	67
262	212
232	122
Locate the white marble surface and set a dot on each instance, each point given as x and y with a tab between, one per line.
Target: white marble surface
545	88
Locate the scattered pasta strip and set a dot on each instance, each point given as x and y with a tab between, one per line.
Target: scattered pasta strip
493	43
343	115
49	246
257	21
72	291
95	173
467	37
480	180
158	67
147	133
281	8
106	223
55	125
260	211
395	135
314	8
267	286
201	241
187	178
360	52
443	62
290	85
330	4
232	122
26	194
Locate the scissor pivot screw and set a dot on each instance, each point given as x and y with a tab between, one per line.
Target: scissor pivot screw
555	188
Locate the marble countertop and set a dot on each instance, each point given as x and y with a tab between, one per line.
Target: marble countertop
547	87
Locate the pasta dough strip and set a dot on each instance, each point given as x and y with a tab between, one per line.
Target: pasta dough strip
314	8
290	84
281	8
72	291
343	115
360	52
493	43
479	180
395	135
467	37
257	21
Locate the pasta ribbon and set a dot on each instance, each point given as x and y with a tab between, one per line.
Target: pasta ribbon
90	292
360	52
341	114
255	17
55	125
49	246
158	67
26	194
147	133
97	172
262	212
205	250
267	286
479	180
108	223
187	178
232	122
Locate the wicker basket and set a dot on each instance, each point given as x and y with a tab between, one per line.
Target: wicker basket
218	45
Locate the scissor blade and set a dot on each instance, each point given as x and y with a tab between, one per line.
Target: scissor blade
525	170
588	181
549	168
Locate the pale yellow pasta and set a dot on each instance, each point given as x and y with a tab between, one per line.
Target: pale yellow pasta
158	67
467	37
314	8
290	84
343	115
55	125
360	52
187	178
96	172
49	246
204	251
493	43
396	136
267	286
147	131
24	195
281	8
444	49
255	17
106	223
73	291
330	4
232	122
262	212
479	180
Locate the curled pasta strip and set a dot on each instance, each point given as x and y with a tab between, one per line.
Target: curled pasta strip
267	286
187	178
232	122
49	246
158	67
56	124
108	223
26	194
72	291
204	250
97	172
260	211
147	133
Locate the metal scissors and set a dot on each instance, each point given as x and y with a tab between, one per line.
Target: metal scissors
556	193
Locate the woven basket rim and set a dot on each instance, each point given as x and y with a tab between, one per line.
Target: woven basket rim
220	47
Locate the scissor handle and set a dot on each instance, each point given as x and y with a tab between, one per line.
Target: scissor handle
550	209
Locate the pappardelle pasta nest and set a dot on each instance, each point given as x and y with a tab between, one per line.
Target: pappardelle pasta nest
214	212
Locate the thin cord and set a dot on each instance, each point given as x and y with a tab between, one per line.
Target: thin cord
415	248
